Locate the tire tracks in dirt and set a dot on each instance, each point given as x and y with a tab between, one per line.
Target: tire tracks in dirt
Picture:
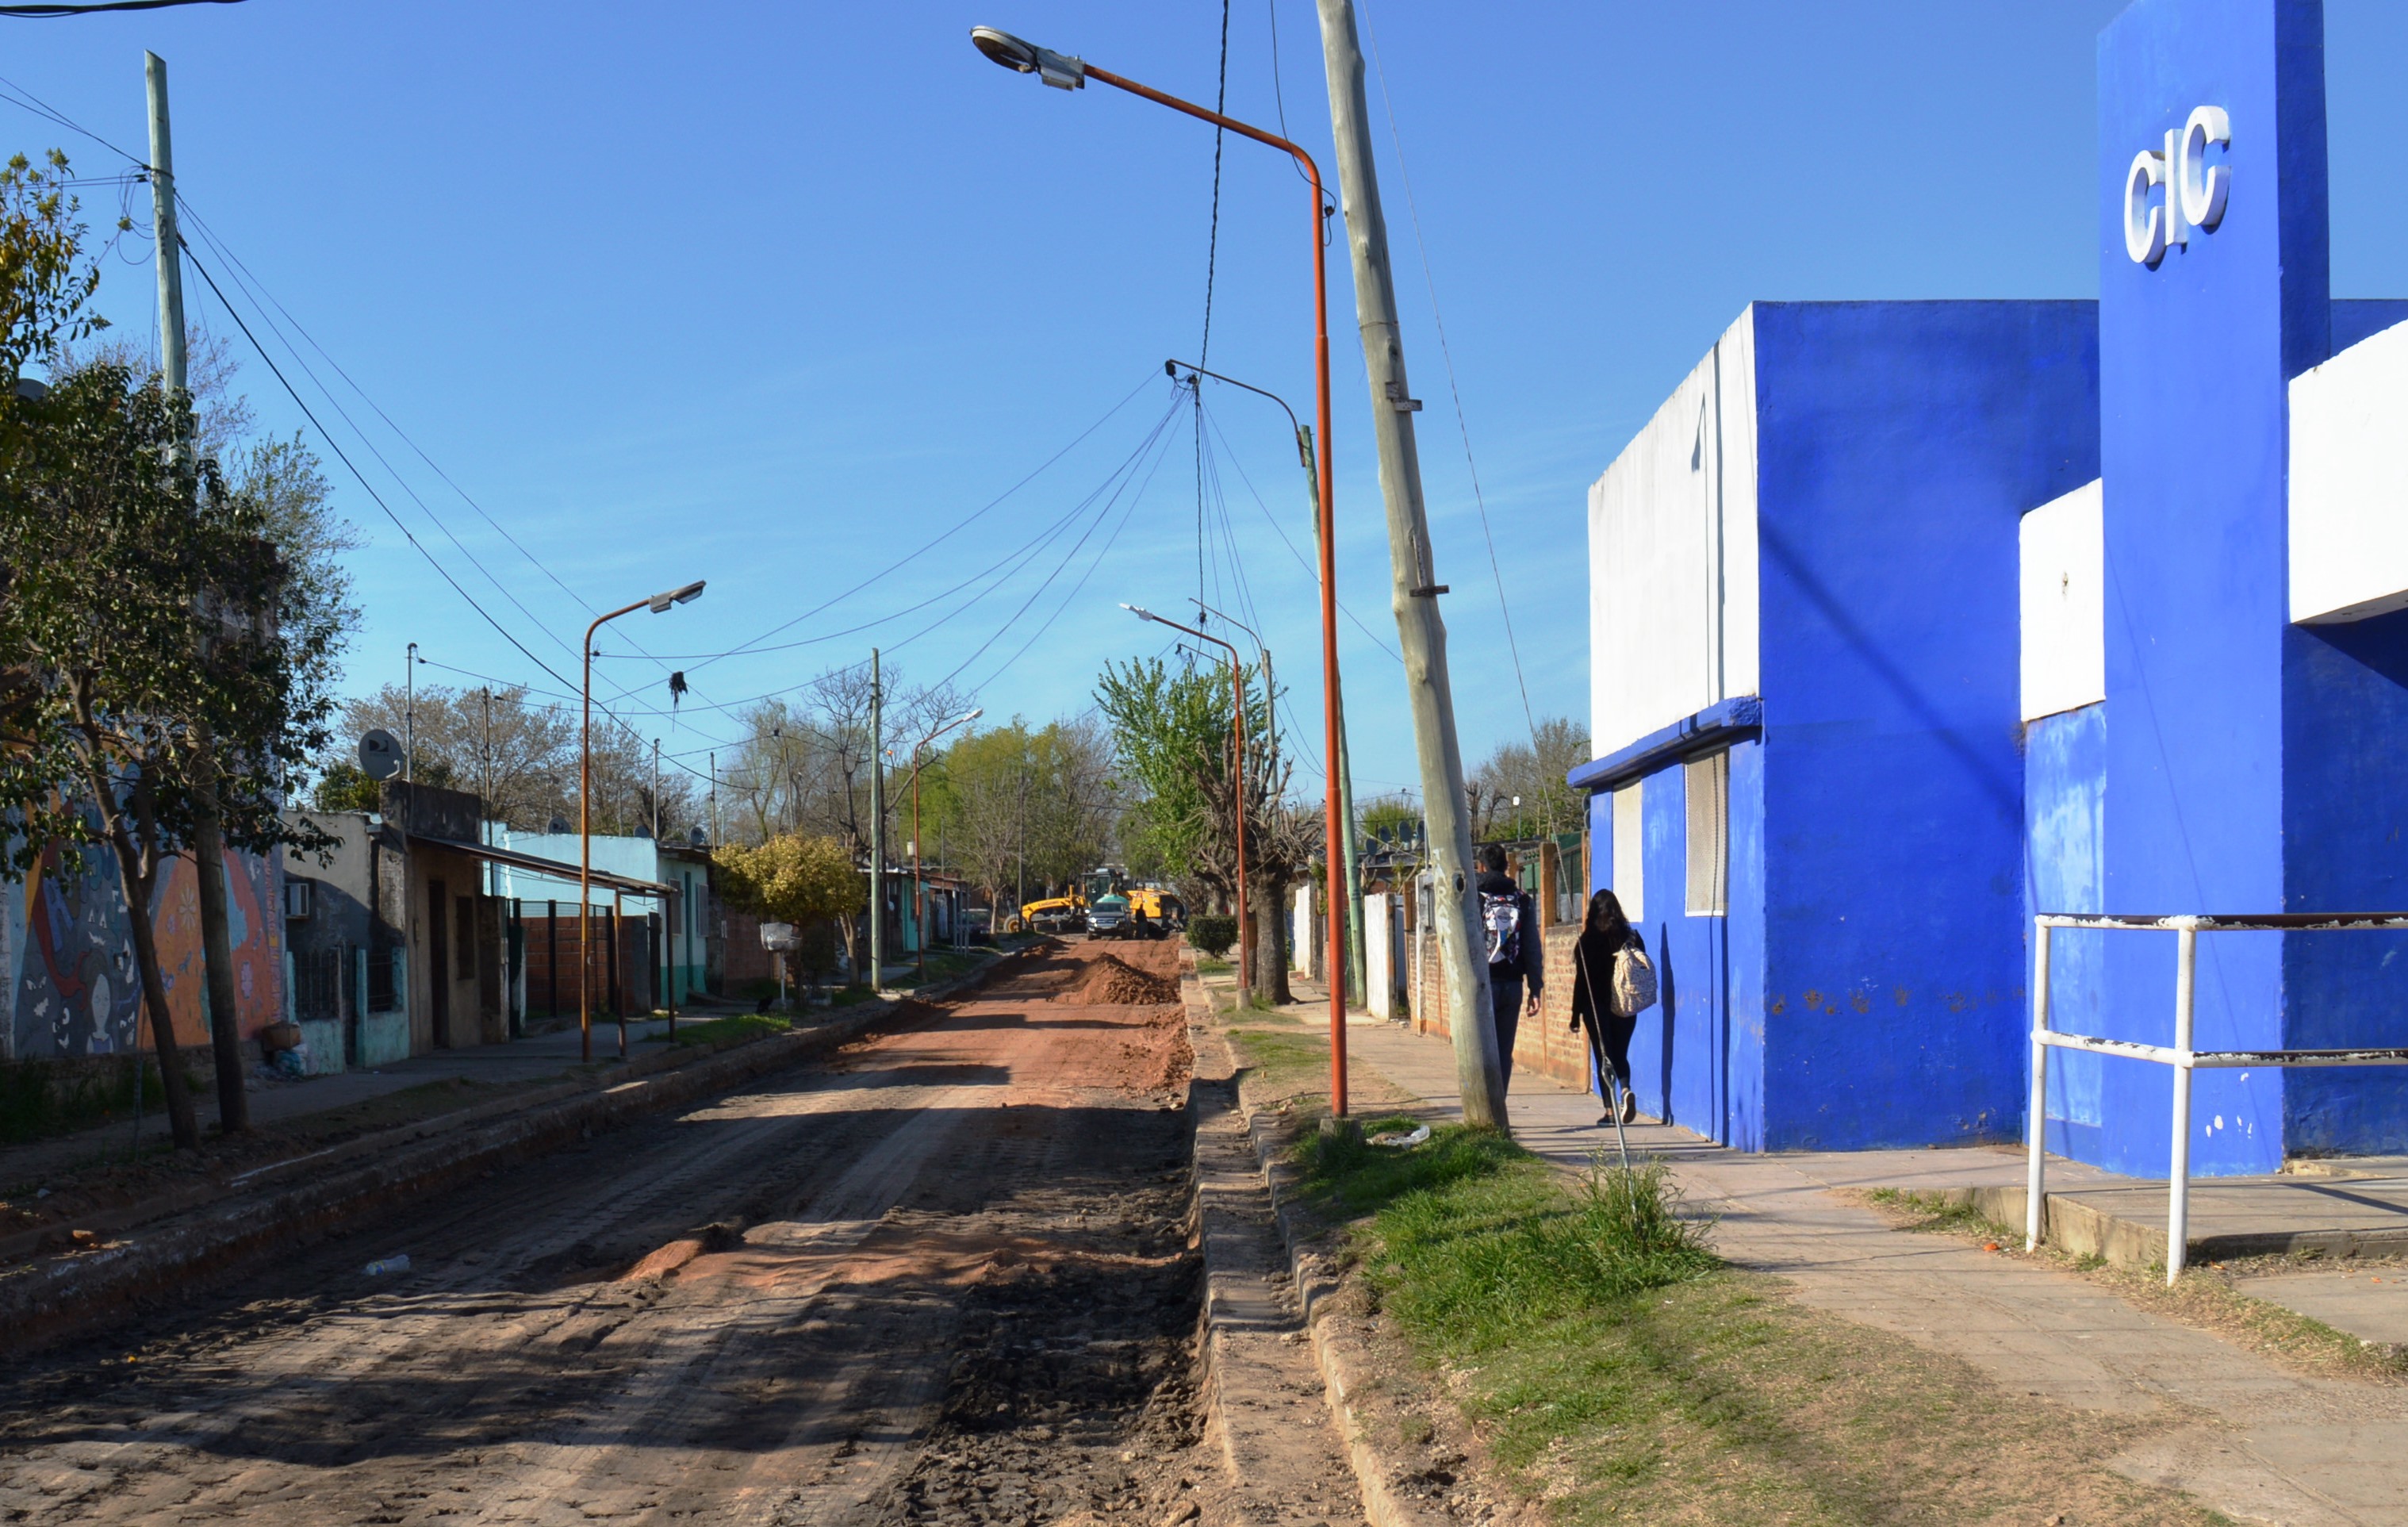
945	1277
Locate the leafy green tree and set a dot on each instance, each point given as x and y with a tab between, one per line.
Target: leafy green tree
1172	736
805	880
1024	810
107	550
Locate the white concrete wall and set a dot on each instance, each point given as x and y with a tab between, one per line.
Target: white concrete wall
1300	956
2349	483
1672	555
2064	604
1379	954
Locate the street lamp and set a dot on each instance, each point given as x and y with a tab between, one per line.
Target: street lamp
658	604
1069	73
1237	690
919	891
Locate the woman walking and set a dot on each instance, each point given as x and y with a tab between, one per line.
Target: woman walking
1612	982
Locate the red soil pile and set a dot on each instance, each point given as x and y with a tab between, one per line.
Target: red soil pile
1114	982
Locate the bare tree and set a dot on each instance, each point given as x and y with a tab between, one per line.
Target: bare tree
1519	792
521	758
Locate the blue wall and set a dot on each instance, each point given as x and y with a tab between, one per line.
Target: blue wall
1696	1058
2194	359
2065	803
2345	837
1899	444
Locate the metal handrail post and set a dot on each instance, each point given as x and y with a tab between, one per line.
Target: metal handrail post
2178	1188
2036	1119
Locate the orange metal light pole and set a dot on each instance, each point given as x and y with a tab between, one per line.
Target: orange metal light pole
1067	73
657	604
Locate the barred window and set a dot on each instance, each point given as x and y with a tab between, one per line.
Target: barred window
1708	784
1629	852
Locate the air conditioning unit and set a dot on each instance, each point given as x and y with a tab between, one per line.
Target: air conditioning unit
299	899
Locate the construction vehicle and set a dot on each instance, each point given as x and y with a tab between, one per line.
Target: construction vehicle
1077	909
1052	915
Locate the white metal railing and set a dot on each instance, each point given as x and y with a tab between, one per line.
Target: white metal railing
2179	1055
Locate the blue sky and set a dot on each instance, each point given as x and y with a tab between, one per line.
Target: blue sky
774	295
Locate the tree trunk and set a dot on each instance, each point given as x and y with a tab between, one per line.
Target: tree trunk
181	1122
1266	905
217	955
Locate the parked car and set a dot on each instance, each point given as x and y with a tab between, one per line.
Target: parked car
1108	917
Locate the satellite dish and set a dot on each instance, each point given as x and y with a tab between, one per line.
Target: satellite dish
379	755
699	838
559	826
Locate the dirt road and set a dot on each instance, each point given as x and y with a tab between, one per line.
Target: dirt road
946	1276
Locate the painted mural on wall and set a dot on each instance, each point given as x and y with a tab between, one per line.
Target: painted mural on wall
68	981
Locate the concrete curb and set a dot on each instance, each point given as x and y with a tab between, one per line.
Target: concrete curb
47	1300
2083	1229
1338	1350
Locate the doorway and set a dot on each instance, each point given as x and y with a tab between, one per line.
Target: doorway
438	963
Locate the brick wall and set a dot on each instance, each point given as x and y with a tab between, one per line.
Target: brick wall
1544	1044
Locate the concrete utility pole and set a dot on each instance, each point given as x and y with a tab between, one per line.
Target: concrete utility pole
877	829
1419	630
208	826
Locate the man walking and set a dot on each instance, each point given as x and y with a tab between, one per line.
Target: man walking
1515	957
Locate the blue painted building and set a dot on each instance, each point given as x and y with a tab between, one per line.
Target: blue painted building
1909	620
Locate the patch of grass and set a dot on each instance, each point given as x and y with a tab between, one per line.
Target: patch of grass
1207	965
736	1026
1276	1058
1619	1372
1945	1213
848	996
1473	1239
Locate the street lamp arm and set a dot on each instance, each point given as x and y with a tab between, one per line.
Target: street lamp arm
1226	616
1312	170
1201	636
1303	437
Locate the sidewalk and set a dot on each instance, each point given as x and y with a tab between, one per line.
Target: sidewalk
2269	1445
537	1059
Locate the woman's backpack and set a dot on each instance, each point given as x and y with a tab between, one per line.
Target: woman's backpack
1634	983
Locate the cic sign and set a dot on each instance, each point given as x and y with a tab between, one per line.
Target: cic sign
2194	190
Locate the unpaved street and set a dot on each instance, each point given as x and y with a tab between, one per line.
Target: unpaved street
946	1276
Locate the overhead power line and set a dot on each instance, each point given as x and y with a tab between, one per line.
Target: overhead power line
344	457
1453	389
46	13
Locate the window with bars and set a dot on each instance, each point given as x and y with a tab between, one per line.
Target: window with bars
1707	782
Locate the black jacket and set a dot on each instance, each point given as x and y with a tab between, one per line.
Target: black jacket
1531	969
1595	955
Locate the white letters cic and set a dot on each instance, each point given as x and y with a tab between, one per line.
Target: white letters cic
2194	190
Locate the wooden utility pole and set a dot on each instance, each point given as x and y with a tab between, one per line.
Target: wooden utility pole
208	825
1420	632
877	827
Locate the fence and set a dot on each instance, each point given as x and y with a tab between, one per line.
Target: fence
2180	1056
